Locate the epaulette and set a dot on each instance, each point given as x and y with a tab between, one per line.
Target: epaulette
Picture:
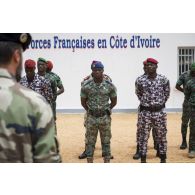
108	82
86	78
107	77
87	82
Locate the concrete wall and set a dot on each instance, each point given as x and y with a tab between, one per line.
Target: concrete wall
123	65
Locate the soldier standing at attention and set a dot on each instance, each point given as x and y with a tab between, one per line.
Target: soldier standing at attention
26	122
182	81
137	155
54	78
95	96
85	80
189	91
42	66
36	82
153	92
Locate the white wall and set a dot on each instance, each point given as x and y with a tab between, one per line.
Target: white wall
123	65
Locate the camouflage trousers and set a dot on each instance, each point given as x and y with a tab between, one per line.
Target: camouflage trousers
185	118
93	125
158	121
138	133
192	130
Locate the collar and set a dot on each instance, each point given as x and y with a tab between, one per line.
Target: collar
5	74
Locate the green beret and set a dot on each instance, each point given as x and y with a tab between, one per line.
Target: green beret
42	60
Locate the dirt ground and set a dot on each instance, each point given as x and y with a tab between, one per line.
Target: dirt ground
123	143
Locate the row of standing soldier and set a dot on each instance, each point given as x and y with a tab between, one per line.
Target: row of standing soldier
31	136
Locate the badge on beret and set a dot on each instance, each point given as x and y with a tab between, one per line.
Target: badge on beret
23	38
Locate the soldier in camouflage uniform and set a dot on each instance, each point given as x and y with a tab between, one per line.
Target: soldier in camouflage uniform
95	96
57	87
153	91
85	80
189	91
26	120
36	82
182	81
137	155
42	67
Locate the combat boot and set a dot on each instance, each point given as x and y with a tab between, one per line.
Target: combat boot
143	158
90	159
107	160
83	155
184	143
137	154
163	158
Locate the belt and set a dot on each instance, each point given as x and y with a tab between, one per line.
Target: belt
98	114
156	108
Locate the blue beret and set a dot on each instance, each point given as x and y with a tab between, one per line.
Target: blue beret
97	64
23	39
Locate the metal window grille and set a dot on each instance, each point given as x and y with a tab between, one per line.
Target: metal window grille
185	58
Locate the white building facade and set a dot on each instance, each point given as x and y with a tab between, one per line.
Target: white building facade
122	56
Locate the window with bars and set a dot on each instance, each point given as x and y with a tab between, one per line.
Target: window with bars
185	58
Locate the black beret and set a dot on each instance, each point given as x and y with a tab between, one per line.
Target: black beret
21	38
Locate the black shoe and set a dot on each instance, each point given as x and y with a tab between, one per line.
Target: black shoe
163	158
137	156
183	145
83	155
143	159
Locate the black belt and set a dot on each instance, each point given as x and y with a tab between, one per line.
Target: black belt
98	113
156	108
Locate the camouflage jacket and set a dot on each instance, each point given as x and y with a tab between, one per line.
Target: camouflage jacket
184	78
40	85
98	95
27	127
90	77
53	82
190	91
152	92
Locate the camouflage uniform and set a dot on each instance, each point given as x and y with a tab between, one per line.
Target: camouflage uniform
98	117
26	124
152	94
40	85
190	96
53	82
85	80
183	79
138	80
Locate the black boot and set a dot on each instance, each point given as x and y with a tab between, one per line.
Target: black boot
143	158
184	143
137	154
89	159
83	155
163	158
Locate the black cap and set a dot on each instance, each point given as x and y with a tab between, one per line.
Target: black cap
21	38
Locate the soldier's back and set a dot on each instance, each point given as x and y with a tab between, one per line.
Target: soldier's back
26	124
